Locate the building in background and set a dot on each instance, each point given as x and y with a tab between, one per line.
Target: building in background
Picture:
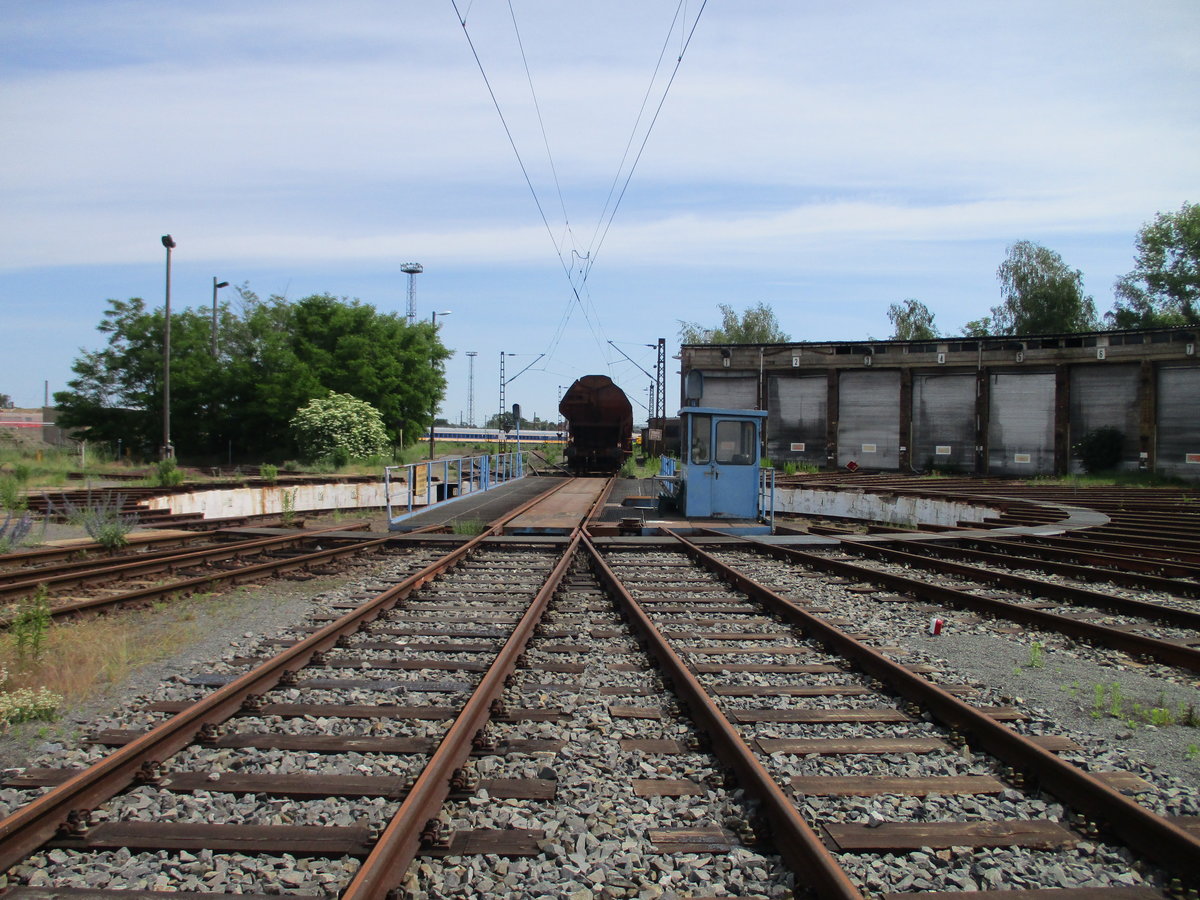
1008	406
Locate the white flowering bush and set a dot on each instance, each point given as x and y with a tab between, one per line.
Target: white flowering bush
340	427
27	704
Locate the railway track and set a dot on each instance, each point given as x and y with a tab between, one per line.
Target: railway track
579	718
76	587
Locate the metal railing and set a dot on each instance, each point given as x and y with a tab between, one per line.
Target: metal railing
766	496
424	484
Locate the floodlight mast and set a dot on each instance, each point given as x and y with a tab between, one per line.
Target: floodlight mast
471	354
412	269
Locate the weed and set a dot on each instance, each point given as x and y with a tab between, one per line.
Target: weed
12	496
1037	655
1192	751
31	625
1160	717
1116	700
167	473
1188	715
28	705
1098	704
268	473
287	502
12	533
468	526
101	518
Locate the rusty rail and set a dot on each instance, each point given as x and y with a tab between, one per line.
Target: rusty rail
1159	839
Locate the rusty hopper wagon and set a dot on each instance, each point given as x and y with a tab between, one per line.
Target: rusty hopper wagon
599	425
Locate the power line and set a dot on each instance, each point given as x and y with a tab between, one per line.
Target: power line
594	250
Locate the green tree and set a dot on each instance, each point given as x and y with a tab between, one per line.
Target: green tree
980	327
273	357
338	425
117	391
5	400
757	325
911	321
1042	295
1164	287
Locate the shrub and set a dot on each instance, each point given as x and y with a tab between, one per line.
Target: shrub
12	533
339	428
1100	450
31	625
101	518
269	473
167	473
28	705
11	496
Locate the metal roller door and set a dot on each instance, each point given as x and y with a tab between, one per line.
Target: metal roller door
943	422
869	419
1178	422
1021	424
724	391
796	420
1106	396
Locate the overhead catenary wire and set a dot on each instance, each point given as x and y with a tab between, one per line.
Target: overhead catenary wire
577	279
594	249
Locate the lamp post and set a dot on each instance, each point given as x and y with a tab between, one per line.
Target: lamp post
433	362
167	450
216	285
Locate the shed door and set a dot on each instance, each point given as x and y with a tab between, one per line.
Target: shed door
1021	424
796	426
869	419
943	421
1178	425
1105	395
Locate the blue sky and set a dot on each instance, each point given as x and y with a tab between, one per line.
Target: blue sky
827	159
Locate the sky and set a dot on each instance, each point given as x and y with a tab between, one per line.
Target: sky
827	159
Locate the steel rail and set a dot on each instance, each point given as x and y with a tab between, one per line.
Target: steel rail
1167	844
1138	580
1086	552
188	585
1081	596
1148	554
400	841
11	563
142	566
1134	644
597	509
799	845
26	829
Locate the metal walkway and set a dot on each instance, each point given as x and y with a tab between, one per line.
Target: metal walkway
481	507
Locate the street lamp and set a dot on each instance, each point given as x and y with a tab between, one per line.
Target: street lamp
167	450
433	396
216	285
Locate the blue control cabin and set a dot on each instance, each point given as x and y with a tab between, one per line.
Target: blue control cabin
718	476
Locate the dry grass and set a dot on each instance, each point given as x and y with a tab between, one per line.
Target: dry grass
81	659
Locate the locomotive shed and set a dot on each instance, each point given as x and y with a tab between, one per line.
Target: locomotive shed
698	715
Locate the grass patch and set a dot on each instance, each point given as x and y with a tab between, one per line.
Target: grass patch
80	660
468	526
1109	701
1113	479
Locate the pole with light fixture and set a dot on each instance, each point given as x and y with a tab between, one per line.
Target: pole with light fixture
216	285
167	450
433	362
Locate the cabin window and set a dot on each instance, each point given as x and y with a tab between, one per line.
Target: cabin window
701	434
735	443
